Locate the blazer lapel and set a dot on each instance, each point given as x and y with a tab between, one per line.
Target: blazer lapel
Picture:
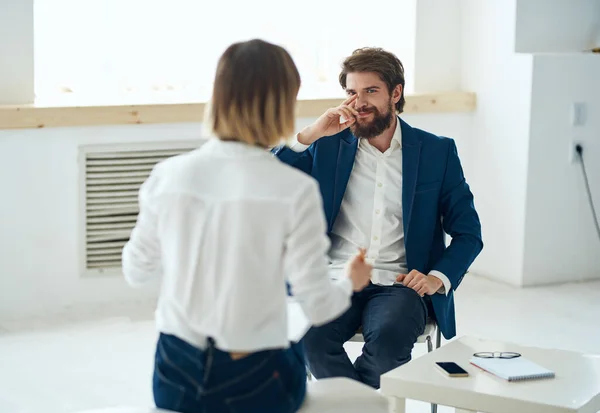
345	162
411	152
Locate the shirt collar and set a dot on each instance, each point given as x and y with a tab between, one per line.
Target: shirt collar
229	148
397	138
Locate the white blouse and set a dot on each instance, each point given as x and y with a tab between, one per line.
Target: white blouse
224	227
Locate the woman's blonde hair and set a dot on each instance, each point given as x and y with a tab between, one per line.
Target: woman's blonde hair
254	94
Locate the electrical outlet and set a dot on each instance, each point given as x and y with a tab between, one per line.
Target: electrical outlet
578	113
573	155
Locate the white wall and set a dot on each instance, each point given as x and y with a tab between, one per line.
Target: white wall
537	224
16	56
39	212
39	217
438	46
557	25
499	142
561	243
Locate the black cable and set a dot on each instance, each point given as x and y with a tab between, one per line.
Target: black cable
579	150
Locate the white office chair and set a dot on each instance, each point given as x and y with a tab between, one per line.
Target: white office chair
425	338
431	328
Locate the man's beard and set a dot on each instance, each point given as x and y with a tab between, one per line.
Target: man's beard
375	127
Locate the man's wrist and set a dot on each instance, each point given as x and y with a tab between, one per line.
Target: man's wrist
305	136
446	285
297	146
439	282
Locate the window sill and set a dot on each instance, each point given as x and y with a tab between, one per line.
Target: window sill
28	117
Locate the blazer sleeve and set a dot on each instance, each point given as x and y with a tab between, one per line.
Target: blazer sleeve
460	220
301	160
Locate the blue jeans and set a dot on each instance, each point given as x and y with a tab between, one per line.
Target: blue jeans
392	318
190	380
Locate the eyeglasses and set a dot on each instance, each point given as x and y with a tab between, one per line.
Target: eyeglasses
497	355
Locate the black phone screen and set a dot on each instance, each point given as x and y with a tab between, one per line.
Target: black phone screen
451	367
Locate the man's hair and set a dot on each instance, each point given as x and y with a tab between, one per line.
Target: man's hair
376	60
254	94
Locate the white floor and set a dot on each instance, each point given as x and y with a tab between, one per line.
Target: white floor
69	364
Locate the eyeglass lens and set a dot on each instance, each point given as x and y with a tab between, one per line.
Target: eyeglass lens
497	354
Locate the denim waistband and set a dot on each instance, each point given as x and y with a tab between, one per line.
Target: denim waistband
210	354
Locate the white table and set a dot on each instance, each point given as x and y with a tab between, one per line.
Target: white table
576	387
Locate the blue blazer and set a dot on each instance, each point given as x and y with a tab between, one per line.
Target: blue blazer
436	200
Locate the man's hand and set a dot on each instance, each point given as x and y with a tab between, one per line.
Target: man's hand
359	271
333	121
421	283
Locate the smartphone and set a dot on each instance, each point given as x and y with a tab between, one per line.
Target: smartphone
452	369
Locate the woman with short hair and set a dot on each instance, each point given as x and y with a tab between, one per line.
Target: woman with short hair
225	227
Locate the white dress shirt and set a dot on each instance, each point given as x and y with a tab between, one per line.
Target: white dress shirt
224	226
371	214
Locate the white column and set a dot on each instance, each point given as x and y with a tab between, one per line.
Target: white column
16	52
498	173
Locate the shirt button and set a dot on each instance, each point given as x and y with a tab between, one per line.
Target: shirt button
377	211
375	238
379	184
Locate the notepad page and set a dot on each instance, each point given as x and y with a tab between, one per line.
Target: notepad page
518	368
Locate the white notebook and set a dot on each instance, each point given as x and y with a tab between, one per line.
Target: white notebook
517	369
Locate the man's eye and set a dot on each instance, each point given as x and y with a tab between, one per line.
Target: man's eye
371	90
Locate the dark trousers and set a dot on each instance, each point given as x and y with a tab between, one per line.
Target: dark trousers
392	318
190	380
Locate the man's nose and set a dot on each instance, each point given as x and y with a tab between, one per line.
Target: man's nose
361	101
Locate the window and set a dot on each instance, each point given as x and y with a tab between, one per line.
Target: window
139	51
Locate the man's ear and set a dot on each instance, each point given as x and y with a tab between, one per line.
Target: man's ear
397	93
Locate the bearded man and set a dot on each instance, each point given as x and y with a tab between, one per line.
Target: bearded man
396	191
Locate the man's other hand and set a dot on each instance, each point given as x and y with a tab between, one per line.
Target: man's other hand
421	283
